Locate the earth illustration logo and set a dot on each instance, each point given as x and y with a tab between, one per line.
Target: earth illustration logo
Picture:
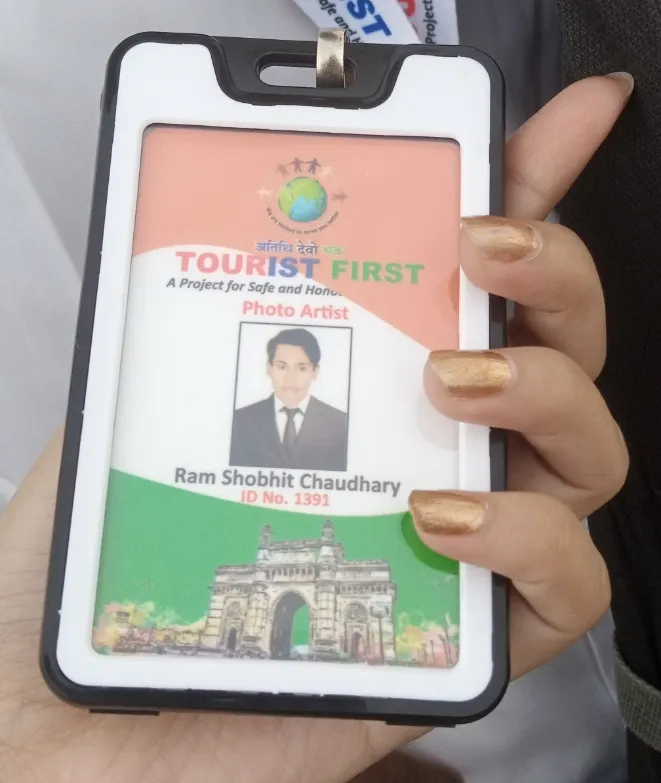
302	200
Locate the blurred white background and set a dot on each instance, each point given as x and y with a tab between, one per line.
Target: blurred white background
52	63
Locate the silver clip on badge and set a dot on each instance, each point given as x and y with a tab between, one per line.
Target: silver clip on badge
331	64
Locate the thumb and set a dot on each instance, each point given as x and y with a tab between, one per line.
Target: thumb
545	157
25	531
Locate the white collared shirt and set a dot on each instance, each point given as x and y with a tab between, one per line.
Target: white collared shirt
281	416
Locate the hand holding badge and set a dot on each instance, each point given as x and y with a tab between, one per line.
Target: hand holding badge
44	737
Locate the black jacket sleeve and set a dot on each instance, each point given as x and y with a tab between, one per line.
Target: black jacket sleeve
616	209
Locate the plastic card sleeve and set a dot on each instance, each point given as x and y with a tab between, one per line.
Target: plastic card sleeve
268	270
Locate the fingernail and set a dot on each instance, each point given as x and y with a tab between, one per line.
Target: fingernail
627	82
446	512
501	239
471	373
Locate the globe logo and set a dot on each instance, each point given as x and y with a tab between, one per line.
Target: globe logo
302	200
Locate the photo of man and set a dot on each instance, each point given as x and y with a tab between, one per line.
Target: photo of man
291	428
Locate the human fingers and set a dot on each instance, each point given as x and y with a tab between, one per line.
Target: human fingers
548	271
579	455
26	523
545	157
560	581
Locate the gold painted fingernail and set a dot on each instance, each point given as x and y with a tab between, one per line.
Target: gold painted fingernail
446	512
500	239
627	82
471	373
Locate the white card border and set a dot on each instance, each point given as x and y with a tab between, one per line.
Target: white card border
444	97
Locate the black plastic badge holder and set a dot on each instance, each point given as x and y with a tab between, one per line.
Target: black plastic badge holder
238	63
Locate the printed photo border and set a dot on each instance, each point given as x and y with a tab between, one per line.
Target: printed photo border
293	325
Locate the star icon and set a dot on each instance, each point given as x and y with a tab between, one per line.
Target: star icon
326	171
264	192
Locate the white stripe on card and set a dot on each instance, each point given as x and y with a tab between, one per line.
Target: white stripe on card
366	21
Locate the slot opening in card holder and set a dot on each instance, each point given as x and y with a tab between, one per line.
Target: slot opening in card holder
288	76
287	70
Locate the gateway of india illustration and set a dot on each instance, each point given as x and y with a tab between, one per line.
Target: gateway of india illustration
350	603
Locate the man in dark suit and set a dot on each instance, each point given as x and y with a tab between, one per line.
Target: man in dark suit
291	428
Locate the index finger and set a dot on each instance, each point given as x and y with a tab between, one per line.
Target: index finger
545	157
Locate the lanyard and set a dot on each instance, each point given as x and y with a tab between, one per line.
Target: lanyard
435	21
387	21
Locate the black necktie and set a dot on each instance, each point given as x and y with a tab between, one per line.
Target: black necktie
289	438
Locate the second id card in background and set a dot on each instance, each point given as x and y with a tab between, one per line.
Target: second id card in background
388	21
285	291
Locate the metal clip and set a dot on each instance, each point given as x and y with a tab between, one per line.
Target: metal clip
331	64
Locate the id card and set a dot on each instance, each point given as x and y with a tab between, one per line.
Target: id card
388	21
363	21
285	291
